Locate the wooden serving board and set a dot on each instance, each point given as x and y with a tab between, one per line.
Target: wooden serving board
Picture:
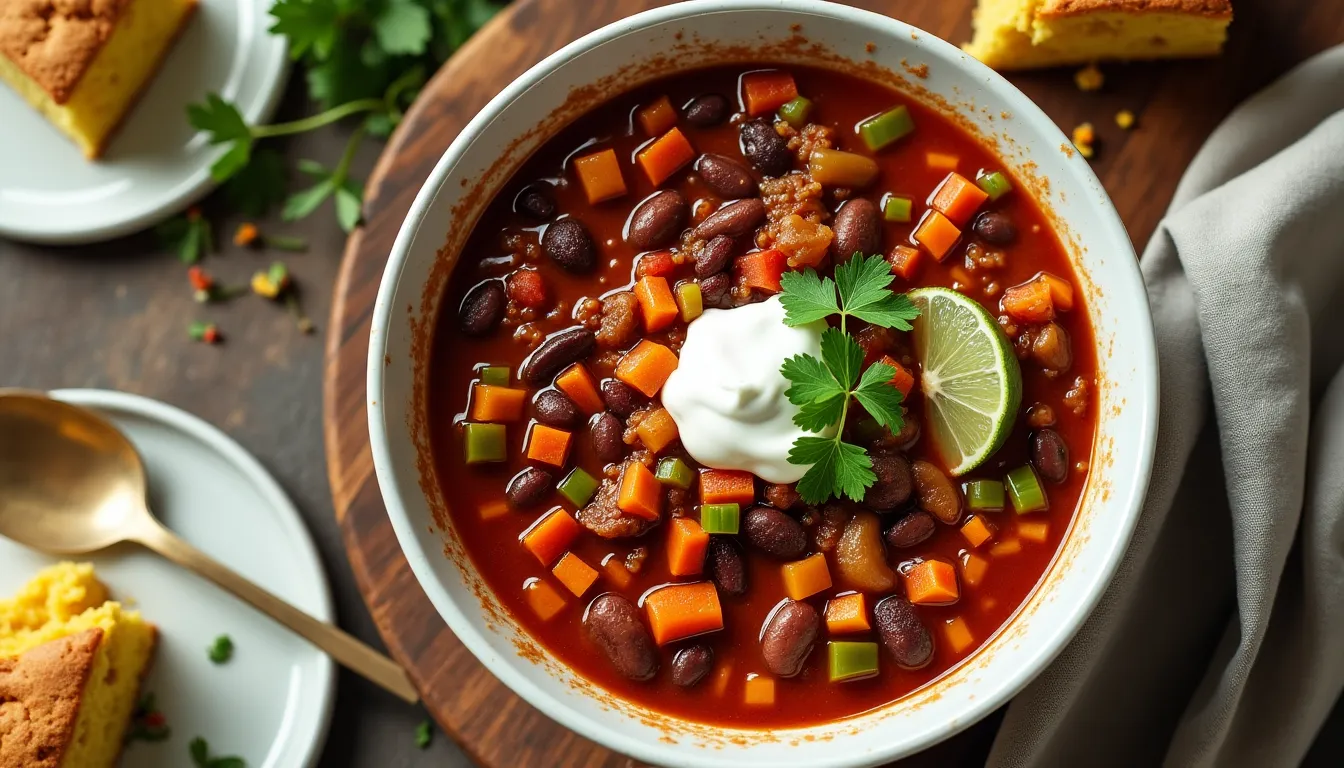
1177	104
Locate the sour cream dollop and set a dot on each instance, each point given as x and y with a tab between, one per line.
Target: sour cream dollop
727	394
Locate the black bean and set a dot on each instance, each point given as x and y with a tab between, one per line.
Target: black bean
714	257
894	482
535	202
482	308
554	409
726	566
613	623
706	111
736	219
555	353
658	220
725	176
774	532
788	638
621	398
911	530
903	634
994	227
691	664
1050	455
568	244
529	487
714	290
606	435
765	148
858	229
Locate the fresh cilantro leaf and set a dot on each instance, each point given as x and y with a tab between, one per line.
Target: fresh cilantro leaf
843	356
863	282
218	118
424	734
838	468
403	27
259	185
200	752
345	76
807	297
895	310
879	398
188	235
821	415
349	200
809	380
221	650
304	202
310	25
853	470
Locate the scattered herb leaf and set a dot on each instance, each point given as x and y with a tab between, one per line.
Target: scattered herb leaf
200	756
424	734
147	722
222	649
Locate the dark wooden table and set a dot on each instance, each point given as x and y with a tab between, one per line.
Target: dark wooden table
115	315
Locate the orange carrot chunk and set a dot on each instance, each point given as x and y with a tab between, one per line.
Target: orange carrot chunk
657	430
551	535
767	90
932	582
762	269
656	303
576	575
904	261
936	234
847	614
647	366
727	486
614	567
640	494
493	509
548	445
957	198
1029	302
973	568
958	635
806	577
976	530
665	156
544	599
657	118
759	691
686	545
683	610
578	383
600	176
490	403
903	379
1061	291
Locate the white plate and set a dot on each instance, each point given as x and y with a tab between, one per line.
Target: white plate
271	703
157	164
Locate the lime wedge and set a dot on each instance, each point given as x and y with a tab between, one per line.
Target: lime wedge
971	381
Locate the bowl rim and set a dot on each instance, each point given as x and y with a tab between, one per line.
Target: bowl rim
1144	388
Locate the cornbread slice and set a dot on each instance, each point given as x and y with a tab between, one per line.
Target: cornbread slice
1021	34
83	63
71	663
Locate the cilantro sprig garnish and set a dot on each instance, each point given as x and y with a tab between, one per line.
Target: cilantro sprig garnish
825	389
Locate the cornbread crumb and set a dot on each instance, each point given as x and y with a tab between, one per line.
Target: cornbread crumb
1089	78
1084	136
1125	119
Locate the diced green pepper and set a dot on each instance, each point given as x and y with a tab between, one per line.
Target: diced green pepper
796	112
674	472
1026	491
690	301
496	375
984	495
578	486
896	208
851	660
886	128
484	443
720	518
994	184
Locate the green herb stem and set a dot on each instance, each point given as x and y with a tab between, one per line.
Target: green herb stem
342	170
332	115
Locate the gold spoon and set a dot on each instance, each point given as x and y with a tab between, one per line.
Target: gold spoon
71	483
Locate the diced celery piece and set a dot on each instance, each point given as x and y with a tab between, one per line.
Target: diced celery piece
674	472
897	208
984	495
578	486
1026	491
690	301
720	518
852	660
994	184
484	443
796	112
495	375
886	128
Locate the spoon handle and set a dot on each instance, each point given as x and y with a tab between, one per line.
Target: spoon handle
345	649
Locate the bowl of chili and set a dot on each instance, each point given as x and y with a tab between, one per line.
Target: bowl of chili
630	225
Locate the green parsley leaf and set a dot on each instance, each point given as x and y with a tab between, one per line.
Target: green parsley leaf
807	297
304	202
838	468
809	380
879	398
821	415
188	235
310	25
224	124
222	649
349	201
258	186
403	27
424	734
200	755
863	282
843	356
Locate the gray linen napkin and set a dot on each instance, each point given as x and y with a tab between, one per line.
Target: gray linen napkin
1221	640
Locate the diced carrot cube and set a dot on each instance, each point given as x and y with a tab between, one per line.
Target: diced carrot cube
658	117
686	545
656	302
759	691
1005	548
683	610
1029	302
619	576
527	287
942	161
493	509
1038	532
646	367
576	575
657	264
1061	291
976	530
544	599
973	568
548	445
903	379
551	535
847	614
665	156
767	90
490	403
931	582
727	486
640	493
762	269
806	577
904	261
600	176
657	430
936	234
578	384
958	635
958	198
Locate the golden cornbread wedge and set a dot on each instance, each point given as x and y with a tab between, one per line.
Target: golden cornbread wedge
71	664
1022	34
83	63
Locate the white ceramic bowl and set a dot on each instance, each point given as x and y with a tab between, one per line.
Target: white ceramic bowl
694	34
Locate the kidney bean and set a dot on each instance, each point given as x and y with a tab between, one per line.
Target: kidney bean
482	308
714	290
765	148
860	558
658	220
788	637
568	244
994	227
894	483
691	664
911	530
613	624
714	257
529	487
621	398
725	176
858	229
903	634
1050	455
774	532
706	111
606	434
937	495
554	409
726	566
735	219
1051	347
535	202
555	353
